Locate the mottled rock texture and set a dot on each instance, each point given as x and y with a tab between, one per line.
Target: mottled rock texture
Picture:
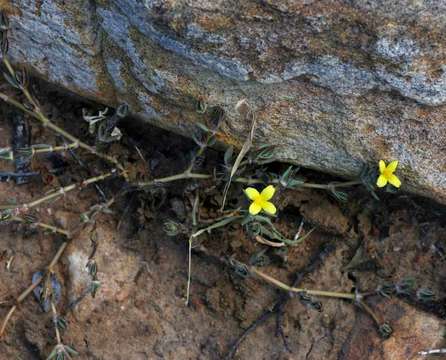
335	83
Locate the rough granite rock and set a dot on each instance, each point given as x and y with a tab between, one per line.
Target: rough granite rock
335	83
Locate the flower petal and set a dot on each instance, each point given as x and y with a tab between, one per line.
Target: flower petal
268	192
252	193
392	166
382	181
382	166
393	179
255	208
269	207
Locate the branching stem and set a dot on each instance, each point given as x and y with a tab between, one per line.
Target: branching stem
39	115
189	175
49	269
283	286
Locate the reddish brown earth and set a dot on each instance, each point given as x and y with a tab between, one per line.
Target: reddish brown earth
139	312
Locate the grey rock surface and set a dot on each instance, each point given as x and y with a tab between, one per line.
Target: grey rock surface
335	83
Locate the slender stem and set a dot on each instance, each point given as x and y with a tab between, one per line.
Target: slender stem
7	318
50	149
191	239
49	268
196	156
303	185
39	115
216	225
369	311
17	104
286	287
52	228
58	255
432	351
27	291
247	181
227	213
264	241
31	151
181	176
30	288
56	328
189	270
332	185
249	162
57	193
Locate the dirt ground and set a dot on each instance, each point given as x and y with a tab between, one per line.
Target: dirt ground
139	311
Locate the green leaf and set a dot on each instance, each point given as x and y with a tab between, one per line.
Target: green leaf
12	81
288	180
61	323
53	354
94	287
6	154
203	127
339	195
71	350
266	153
201	107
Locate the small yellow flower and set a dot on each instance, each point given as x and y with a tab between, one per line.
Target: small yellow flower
260	200
387	174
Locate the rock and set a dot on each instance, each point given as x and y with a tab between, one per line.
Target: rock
335	84
116	272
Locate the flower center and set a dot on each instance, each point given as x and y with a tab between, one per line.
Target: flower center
387	173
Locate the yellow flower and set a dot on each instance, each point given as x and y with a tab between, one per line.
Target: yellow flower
387	174
260	200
